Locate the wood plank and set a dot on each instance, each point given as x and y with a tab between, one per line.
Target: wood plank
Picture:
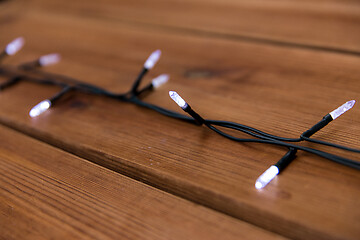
329	25
46	193
280	90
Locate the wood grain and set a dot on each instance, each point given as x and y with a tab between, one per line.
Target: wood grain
277	89
46	193
328	25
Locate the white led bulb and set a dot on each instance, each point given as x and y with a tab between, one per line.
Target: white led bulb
49	59
160	80
152	60
14	46
266	177
342	109
179	101
40	108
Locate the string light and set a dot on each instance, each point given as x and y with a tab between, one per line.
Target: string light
266	177
160	80
49	59
40	108
342	109
328	118
133	96
14	46
179	101
149	64
46	104
275	169
155	84
152	60
186	107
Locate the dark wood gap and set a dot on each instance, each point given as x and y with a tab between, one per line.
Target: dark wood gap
223	204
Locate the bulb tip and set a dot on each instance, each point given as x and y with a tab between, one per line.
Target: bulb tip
258	185
40	108
351	103
160	80
266	177
14	46
152	60
179	101
165	76
33	113
342	109
157	52
49	59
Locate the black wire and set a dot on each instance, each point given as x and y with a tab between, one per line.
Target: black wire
332	157
161	110
330	144
57	96
132	97
265	138
241	127
136	84
2	55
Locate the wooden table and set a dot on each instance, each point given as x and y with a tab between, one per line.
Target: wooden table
95	168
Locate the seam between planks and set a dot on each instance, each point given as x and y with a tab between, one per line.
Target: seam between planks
217	35
149	178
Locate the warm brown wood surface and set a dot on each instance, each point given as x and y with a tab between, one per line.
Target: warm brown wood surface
329	24
280	89
46	193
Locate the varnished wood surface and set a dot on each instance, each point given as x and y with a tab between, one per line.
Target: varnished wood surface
46	193
280	89
328	24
